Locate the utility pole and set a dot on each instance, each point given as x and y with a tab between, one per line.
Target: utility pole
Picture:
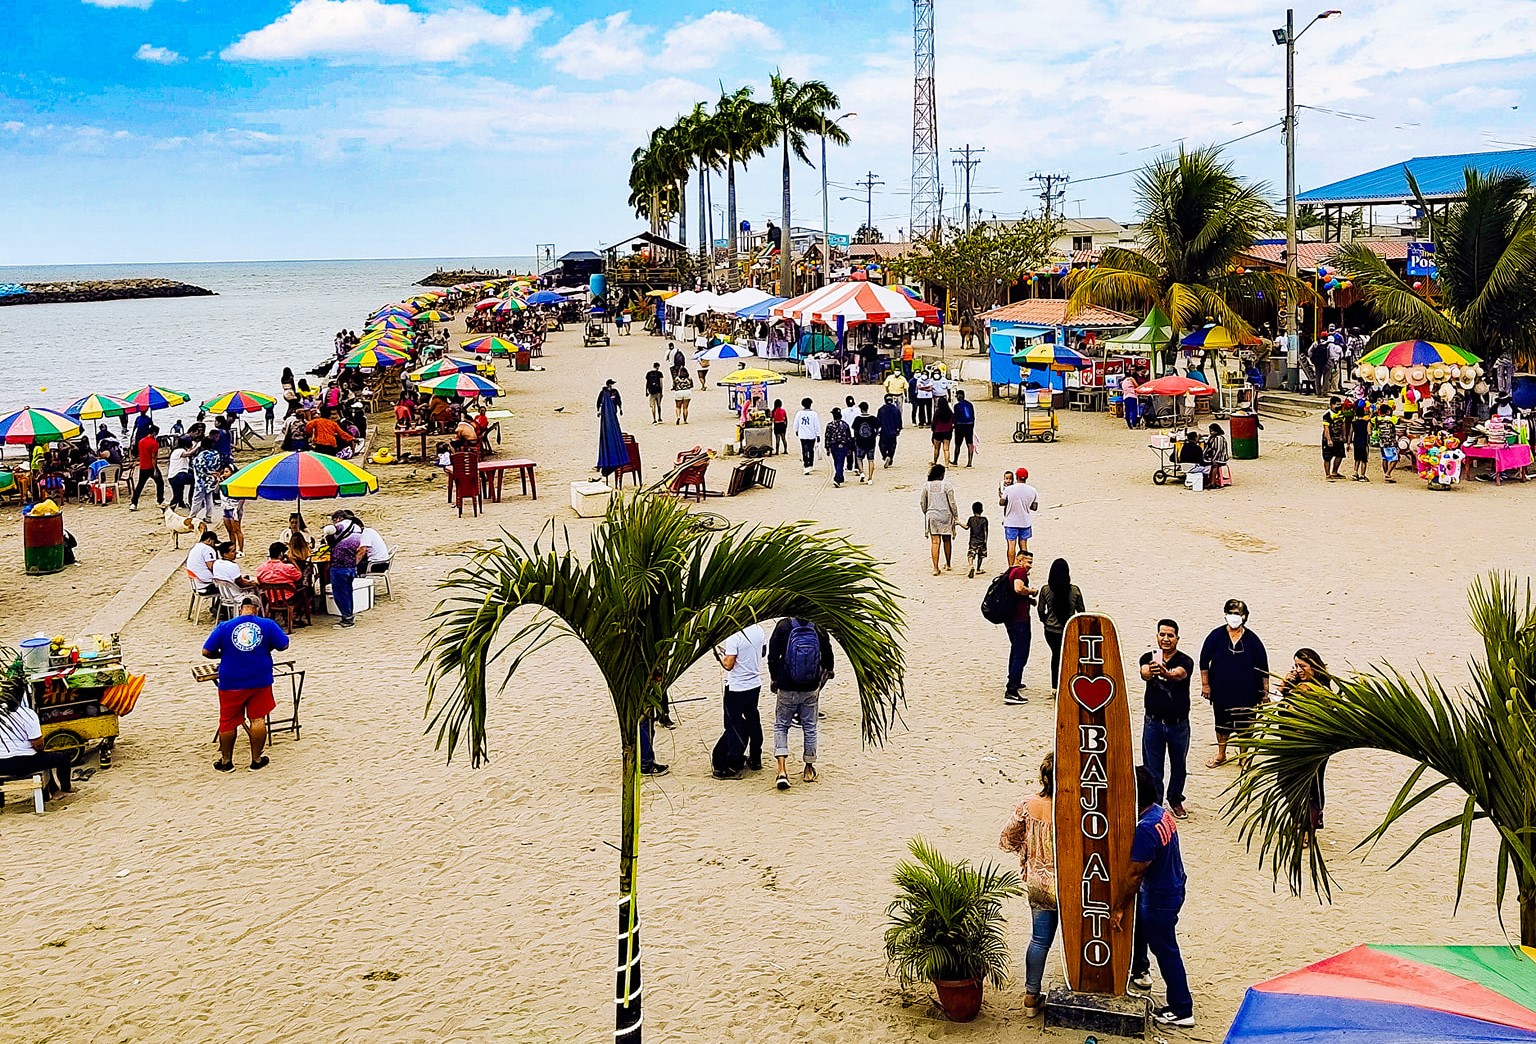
967	164
1050	194
871	179
1287	38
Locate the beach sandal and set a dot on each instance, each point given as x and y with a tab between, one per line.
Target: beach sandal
809	775
782	782
224	766
263	763
1216	762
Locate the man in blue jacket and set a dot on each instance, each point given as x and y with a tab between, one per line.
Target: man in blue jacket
965	428
889	418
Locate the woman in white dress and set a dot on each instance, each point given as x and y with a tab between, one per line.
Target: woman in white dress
939	515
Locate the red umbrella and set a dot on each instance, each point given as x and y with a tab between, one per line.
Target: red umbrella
1173	384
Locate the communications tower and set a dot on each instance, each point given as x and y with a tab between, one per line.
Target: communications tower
924	218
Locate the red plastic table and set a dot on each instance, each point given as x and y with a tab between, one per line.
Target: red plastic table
493	471
411	433
1503	458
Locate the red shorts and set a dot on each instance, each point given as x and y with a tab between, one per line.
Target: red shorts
238	705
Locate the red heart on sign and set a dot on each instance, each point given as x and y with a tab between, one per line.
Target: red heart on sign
1093	693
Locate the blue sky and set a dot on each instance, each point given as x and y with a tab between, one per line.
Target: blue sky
150	130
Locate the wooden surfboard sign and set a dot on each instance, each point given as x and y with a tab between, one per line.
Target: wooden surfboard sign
1095	806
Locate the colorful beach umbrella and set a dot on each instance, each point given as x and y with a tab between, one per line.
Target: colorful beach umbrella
432	315
1418	353
509	304
1172	384
28	426
389	322
1394	995
239	402
751	376
1211	335
488	345
1056	357
396	337
442	368
725	350
374	356
153	397
299	476
489	302
460	386
97	406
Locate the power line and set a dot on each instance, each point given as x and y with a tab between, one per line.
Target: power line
1219	145
1050	195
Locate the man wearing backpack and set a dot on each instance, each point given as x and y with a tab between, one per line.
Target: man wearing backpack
1018	627
799	664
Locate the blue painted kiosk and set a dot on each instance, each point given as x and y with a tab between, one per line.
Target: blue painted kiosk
1016	327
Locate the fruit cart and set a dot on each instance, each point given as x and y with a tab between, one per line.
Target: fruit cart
79	690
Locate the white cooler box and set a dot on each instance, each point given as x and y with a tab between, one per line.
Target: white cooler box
590	499
362	596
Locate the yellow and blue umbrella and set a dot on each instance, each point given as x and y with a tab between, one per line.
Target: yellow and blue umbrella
432	315
97	406
1212	335
1056	357
375	355
488	345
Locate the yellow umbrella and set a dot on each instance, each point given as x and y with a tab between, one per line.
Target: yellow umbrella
752	375
663	294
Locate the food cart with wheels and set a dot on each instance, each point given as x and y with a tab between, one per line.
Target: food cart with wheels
596	331
1039	423
79	689
1038	396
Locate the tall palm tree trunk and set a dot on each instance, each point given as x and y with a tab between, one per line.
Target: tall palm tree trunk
682	211
730	209
703	215
627	993
786	247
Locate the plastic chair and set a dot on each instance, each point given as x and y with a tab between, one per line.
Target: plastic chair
1221	476
381	569
282	601
201	595
229	595
631	465
464	480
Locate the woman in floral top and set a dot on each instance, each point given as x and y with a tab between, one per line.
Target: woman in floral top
1031	834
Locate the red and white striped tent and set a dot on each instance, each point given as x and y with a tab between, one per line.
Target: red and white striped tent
855	302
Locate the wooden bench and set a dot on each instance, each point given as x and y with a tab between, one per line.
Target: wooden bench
32	782
748	474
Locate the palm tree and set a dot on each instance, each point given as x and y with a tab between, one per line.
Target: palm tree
699	139
798	109
744	132
1485	247
647	179
1197	217
656	594
1480	740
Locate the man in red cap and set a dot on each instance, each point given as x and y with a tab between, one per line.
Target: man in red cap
1019	502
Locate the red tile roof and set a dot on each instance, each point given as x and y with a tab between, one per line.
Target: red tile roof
1052	311
1310	255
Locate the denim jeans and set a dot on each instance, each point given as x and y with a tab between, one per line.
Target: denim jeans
341	590
1044	933
795	708
1158	737
1156	918
179	485
742	740
839	458
647	748
1018	652
808	452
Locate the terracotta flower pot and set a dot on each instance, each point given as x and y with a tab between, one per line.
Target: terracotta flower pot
960	998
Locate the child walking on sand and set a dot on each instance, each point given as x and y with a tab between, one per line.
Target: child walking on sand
976	552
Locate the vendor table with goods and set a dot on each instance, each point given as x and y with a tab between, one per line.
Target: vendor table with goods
1514	457
79	689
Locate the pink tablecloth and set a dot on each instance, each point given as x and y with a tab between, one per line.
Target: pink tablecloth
1505	458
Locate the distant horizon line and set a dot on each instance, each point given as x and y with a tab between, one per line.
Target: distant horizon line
264	261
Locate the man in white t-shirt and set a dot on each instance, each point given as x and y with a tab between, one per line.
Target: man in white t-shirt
1020	501
741	746
922	399
808	431
200	559
22	753
225	569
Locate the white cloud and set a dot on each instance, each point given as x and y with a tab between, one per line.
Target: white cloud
372	30
1476	99
140	4
157	55
613	45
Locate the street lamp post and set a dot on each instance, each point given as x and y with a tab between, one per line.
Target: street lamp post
1287	38
826	234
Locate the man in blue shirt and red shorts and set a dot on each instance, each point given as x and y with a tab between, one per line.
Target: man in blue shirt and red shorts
243	646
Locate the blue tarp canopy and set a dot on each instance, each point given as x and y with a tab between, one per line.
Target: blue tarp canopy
759	311
1439	177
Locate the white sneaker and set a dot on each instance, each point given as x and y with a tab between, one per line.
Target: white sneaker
807	471
1164	1016
1141	983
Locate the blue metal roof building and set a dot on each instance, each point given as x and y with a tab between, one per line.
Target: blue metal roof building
1440	178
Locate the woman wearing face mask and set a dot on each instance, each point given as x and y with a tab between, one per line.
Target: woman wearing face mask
1234	675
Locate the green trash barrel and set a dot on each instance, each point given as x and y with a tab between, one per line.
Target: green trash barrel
1245	436
42	542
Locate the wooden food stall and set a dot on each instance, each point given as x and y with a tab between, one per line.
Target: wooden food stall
79	690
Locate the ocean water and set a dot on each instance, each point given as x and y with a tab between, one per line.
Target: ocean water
267	315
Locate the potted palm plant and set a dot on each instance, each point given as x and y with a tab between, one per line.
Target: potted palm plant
947	927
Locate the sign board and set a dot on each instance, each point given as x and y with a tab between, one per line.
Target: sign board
1095	808
841	242
1421	260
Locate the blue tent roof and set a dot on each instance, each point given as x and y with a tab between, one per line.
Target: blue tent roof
1438	177
759	311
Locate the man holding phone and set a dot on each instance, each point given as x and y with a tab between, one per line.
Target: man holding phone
1165	729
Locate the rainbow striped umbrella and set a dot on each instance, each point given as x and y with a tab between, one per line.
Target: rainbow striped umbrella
299	476
376	355
153	397
1419	353
393	337
432	315
442	368
488	345
509	304
239	402
1445	994
1056	357
389	322
400	308
461	386
97	406
28	426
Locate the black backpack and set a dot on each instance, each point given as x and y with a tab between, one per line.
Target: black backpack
997	605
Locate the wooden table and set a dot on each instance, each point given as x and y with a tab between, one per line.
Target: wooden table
492	472
411	433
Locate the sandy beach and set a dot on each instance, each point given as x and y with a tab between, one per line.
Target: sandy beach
362	889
